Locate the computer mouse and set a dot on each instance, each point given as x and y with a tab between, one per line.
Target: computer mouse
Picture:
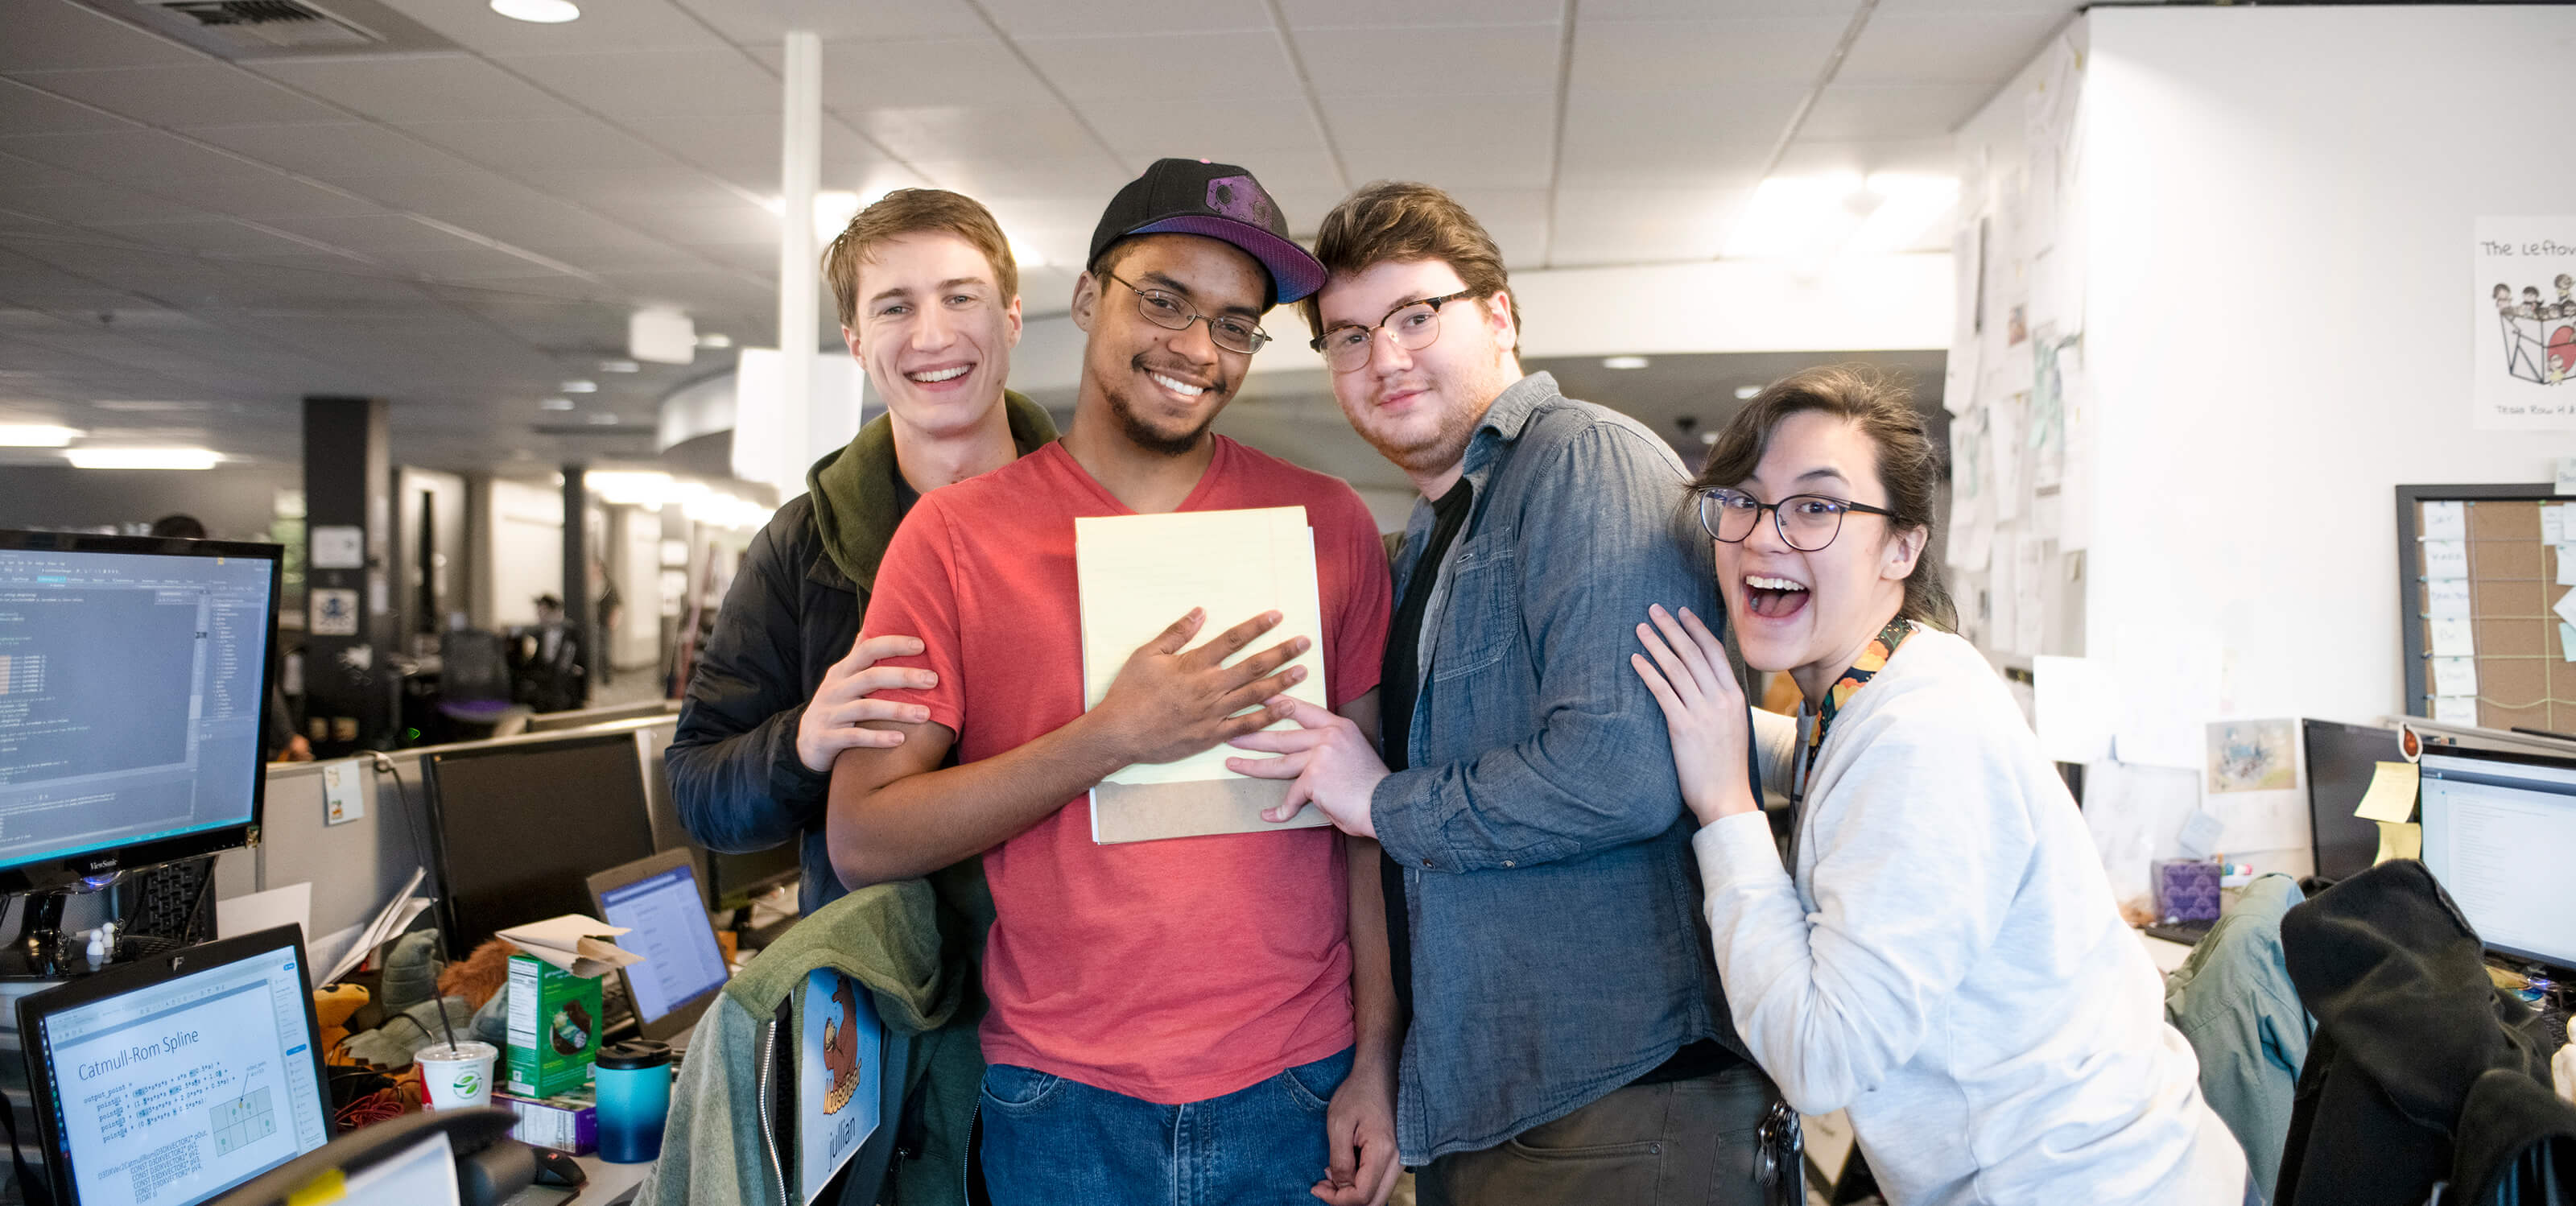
558	1168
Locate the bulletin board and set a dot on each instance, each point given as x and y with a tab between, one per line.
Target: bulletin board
2479	583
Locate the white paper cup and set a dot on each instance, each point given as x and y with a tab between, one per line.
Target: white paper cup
456	1076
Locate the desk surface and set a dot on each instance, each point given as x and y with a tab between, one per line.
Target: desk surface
2167	954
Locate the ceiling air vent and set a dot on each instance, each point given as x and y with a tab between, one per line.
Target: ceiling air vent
272	29
257	24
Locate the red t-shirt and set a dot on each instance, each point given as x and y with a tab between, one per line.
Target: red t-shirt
1174	970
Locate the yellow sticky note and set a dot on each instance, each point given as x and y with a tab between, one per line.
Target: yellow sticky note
2391	798
2399	841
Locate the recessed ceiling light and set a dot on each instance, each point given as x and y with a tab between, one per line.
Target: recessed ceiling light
35	435
1624	362
543	12
618	366
715	340
555	404
143	458
1746	393
579	385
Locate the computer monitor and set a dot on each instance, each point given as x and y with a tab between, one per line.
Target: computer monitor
520	826
2499	835
658	902
173	1078
133	674
731	879
2342	758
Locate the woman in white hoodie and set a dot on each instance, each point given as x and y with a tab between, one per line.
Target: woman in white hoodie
1941	957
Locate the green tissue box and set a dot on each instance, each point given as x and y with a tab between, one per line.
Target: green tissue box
554	1028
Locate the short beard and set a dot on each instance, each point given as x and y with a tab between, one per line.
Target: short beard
1143	435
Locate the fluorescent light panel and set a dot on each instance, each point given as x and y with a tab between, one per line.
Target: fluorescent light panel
36	435
143	458
1818	217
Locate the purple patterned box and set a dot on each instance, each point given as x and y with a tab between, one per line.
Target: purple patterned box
2187	889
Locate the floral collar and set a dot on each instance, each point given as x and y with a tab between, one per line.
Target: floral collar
1873	658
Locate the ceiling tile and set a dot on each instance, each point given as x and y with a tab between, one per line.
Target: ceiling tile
1143	129
1411	62
265	196
471	191
139	156
1636	225
922	135
738	222
216	236
46	34
617	192
744	150
1449	140
1677	10
642	85
1053	18
25	110
335	152
604	26
94	204
1985	49
766	22
577	143
447	87
366	233
1179	67
1694	56
1671	141
1930	156
1376	14
1030	176
1892	110
185	94
875	73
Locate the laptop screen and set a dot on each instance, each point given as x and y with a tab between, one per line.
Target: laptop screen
666	922
180	1081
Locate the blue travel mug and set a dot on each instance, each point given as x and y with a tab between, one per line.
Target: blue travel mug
632	1083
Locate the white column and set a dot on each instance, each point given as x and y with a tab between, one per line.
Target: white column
799	275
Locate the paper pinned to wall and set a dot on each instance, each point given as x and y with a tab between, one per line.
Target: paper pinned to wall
2004	596
2553	526
2447	599
2262	820
2455	709
2004	451
2455	676
2030	610
2071	703
2566	607
1959	376
2136	815
2567	641
2445	521
2446	559
2567	565
2454	637
2398	841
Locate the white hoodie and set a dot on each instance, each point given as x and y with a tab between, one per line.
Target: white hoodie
1948	965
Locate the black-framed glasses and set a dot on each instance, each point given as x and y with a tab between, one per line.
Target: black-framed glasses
1415	324
1168	311
1807	522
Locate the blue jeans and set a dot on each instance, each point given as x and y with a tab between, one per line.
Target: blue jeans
1049	1141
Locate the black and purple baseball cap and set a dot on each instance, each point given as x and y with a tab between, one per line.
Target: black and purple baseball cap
1220	201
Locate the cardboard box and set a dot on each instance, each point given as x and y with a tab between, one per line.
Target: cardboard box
569	1123
555	1019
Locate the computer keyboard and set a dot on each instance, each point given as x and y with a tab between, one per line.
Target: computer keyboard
2188	933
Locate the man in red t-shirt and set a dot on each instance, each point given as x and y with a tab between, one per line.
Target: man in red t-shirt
1214	1012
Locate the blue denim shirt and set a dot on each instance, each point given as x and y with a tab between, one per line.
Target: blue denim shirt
1559	950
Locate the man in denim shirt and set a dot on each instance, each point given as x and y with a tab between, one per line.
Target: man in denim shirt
1569	1041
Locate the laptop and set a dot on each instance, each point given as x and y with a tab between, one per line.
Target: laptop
176	1077
664	910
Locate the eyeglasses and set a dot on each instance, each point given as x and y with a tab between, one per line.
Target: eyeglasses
1168	311
1414	324
1808	522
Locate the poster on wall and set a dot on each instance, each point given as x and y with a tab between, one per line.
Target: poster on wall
2524	313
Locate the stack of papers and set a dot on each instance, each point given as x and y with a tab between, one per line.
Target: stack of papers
1137	574
393	920
581	945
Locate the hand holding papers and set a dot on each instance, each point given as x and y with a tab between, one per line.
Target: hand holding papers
577	944
1135	573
